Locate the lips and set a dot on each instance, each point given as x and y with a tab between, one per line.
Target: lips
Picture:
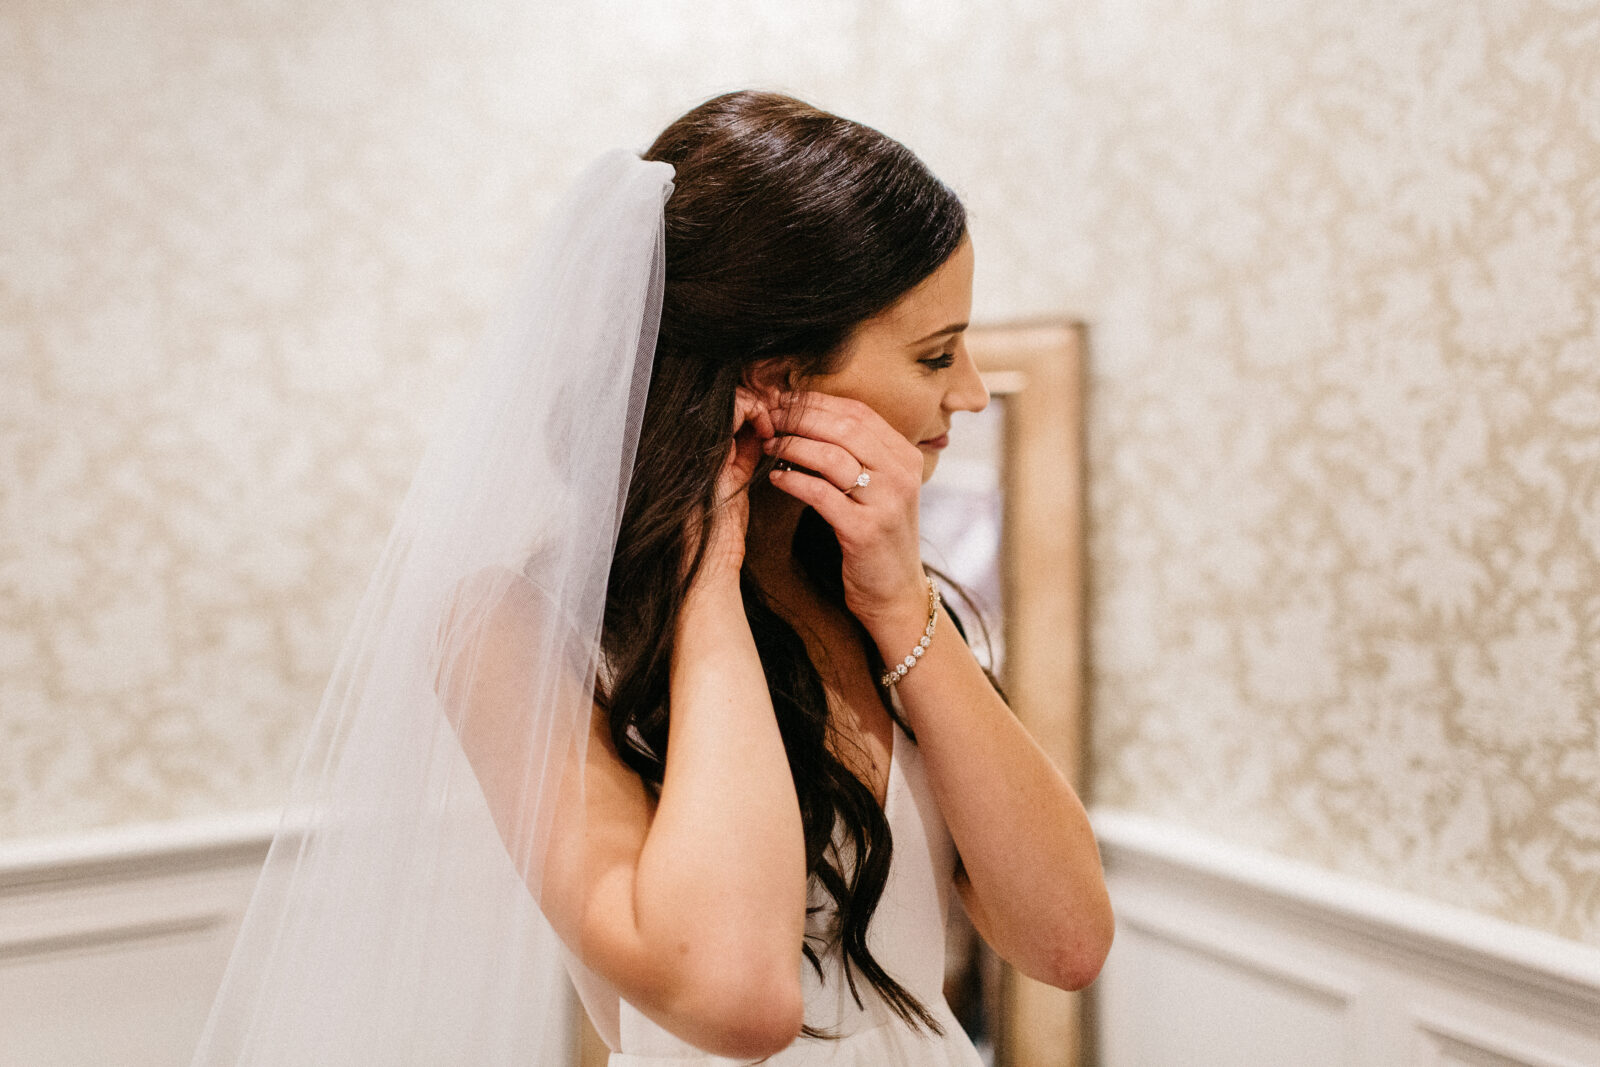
936	442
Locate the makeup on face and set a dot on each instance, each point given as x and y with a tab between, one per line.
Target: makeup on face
910	362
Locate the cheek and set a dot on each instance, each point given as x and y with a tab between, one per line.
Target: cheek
902	397
898	407
911	409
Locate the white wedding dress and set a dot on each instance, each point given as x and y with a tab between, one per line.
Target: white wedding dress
906	935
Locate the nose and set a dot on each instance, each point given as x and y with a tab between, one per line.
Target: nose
967	391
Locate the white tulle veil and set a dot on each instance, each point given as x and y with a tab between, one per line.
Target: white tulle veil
397	919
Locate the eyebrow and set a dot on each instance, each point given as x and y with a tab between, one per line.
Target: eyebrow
954	327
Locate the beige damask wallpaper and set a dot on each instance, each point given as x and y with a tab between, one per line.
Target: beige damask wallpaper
1346	435
245	244
1339	263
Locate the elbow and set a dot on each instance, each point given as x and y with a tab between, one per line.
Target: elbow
1077	955
1077	969
764	1032
750	1017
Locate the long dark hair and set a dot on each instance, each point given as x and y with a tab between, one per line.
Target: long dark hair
786	228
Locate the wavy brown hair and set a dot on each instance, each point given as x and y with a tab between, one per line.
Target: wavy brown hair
787	227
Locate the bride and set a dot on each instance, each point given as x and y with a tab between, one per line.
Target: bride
652	663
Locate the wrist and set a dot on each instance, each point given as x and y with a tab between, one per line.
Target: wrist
710	626
903	640
887	618
719	564
713	587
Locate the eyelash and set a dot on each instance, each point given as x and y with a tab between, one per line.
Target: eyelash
940	362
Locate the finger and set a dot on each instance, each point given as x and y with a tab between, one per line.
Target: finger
749	407
842	421
838	465
763	418
834	507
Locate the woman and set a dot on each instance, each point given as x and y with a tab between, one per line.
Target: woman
742	825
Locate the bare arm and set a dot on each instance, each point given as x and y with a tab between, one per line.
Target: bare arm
691	904
718	896
1032	881
1033	885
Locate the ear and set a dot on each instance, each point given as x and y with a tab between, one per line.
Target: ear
770	379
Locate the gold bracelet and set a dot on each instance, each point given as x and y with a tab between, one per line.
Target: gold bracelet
898	671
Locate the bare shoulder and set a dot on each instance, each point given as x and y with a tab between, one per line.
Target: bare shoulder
515	680
500	611
516	677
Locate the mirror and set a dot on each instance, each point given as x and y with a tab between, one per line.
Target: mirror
1004	517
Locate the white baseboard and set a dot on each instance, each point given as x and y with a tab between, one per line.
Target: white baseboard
1230	956
112	943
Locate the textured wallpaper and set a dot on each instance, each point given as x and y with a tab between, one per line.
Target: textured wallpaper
1339	263
245	245
1346	435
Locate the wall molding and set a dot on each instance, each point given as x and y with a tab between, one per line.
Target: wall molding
1457	937
1211	930
112	941
129	851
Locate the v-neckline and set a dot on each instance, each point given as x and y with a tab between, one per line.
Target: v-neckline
888	778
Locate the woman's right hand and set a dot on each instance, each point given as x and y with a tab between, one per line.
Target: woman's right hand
752	425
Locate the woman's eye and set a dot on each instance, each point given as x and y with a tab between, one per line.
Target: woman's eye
939	362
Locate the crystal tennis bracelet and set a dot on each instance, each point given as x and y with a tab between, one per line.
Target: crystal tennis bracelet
898	671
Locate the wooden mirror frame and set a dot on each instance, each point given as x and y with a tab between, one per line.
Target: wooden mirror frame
1038	370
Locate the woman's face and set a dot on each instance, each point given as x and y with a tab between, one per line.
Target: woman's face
909	363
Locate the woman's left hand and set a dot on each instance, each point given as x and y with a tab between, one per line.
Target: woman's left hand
841	439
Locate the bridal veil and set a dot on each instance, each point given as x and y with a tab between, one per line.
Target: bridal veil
397	919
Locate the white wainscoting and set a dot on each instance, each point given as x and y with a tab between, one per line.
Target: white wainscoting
112	944
1229	956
